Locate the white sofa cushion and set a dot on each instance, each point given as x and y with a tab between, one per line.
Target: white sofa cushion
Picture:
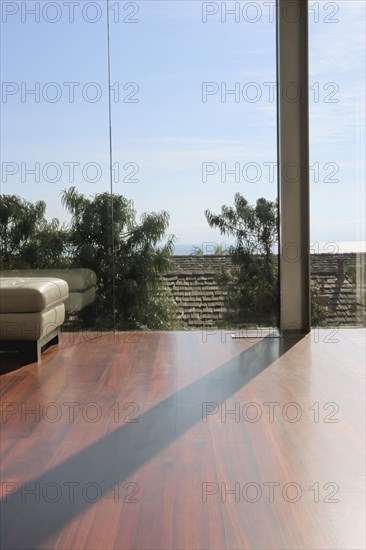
30	295
78	279
78	300
31	326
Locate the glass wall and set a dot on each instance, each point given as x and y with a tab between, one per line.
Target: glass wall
54	150
337	152
182	233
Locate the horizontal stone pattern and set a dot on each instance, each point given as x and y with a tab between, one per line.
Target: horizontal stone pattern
345	303
338	295
201	264
329	263
200	300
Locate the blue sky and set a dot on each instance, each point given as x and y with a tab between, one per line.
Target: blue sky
170	132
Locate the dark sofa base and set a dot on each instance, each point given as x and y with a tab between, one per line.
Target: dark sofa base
30	351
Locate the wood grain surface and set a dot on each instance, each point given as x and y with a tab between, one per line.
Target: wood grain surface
185	441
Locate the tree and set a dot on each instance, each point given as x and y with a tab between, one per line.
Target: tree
105	237
251	287
217	251
196	251
27	239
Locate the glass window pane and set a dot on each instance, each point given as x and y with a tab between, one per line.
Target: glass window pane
337	171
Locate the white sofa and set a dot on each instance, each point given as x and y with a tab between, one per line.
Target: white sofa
82	283
32	310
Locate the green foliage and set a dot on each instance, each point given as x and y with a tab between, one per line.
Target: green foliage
27	239
351	274
105	237
218	251
251	287
318	312
197	251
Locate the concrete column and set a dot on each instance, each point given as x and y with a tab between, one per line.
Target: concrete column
293	166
